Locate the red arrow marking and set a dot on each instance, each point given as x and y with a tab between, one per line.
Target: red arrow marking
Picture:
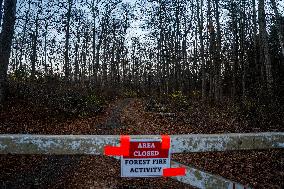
172	172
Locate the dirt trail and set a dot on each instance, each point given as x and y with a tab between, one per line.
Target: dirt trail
113	121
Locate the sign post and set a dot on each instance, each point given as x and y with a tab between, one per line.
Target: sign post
146	158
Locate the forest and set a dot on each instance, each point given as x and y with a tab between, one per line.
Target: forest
142	67
213	48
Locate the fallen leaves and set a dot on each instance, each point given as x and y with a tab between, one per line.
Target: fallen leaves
261	169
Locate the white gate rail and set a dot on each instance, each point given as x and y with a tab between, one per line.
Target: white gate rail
94	144
202	179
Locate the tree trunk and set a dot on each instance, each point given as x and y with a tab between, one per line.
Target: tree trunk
6	37
98	48
257	66
200	30
45	48
243	60
218	54
278	25
211	51
85	52
235	51
177	49
34	48
264	46
67	37
95	68
23	40
76	61
1	12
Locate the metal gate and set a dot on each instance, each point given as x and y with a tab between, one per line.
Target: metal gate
94	145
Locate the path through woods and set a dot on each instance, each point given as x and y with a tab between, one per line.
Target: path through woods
261	169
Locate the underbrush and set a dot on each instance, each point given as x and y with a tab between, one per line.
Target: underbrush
70	99
226	115
172	102
128	93
260	114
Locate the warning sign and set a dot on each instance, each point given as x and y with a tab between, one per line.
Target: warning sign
146	159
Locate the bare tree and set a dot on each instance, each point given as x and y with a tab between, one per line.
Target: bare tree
265	59
6	37
217	57
278	24
1	12
67	39
200	31
34	37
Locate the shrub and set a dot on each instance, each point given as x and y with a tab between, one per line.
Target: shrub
130	93
58	96
179	101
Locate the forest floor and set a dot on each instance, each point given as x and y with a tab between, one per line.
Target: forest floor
260	169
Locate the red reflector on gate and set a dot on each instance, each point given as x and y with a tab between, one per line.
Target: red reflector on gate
166	142
125	144
122	150
172	172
